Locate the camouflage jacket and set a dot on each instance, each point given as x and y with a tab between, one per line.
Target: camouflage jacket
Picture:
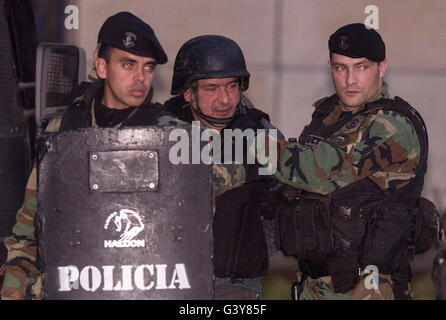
380	145
384	147
20	271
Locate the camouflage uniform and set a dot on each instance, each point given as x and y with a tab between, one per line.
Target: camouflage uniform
20	271
383	148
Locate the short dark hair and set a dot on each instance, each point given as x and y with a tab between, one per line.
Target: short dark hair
104	52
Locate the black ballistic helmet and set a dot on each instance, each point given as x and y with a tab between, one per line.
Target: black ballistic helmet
205	57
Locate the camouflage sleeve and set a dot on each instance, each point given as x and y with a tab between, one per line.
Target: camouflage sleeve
322	289
21	276
20	272
226	177
385	149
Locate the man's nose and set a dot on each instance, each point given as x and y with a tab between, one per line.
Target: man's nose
222	95
139	74
351	78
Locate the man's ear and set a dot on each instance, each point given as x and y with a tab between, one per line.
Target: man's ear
382	68
101	67
188	95
330	69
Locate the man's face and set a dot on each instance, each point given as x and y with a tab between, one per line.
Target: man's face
128	78
217	97
356	80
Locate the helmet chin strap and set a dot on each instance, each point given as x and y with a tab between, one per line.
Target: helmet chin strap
212	120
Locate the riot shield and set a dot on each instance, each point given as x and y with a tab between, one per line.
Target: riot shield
118	220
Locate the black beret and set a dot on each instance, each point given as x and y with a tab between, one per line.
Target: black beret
356	41
127	32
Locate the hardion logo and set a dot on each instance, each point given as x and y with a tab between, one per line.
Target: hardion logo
128	224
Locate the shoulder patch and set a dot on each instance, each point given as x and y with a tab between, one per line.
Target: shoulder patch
353	125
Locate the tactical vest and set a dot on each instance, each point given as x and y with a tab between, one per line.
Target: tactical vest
357	225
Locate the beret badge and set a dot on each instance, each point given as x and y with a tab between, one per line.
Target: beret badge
344	43
128	41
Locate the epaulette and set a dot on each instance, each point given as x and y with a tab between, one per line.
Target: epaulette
326	105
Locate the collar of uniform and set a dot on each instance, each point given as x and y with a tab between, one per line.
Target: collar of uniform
336	113
93	98
120	116
381	94
185	113
96	89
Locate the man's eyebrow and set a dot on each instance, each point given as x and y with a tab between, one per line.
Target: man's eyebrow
208	85
215	84
342	64
127	59
360	62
